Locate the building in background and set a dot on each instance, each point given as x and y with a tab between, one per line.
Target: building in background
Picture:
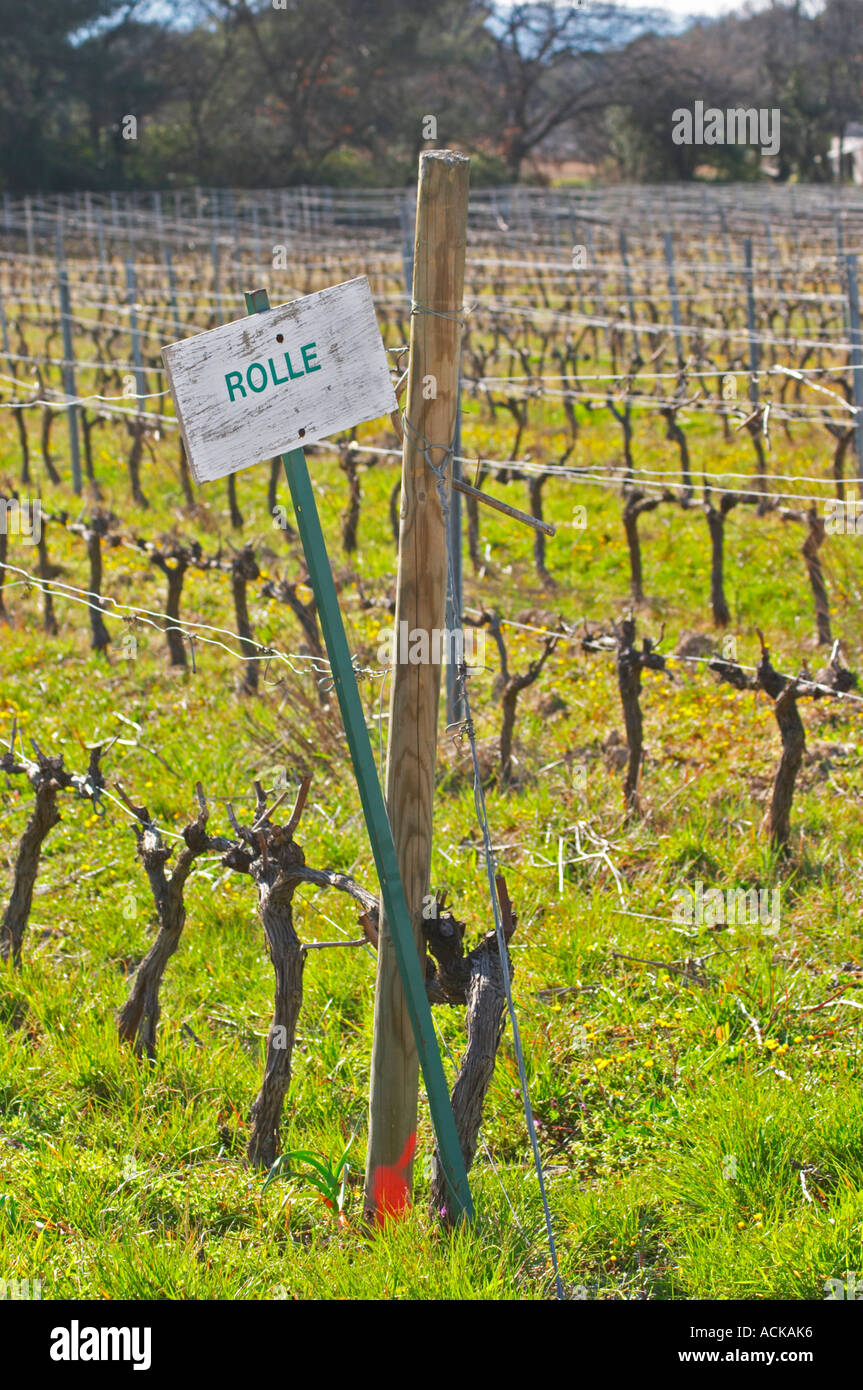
846	154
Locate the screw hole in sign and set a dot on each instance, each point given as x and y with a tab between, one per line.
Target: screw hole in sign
280	337
301	433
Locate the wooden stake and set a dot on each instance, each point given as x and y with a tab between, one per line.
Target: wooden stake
856	356
494	502
69	380
675	303
401	940
455	598
438	287
750	322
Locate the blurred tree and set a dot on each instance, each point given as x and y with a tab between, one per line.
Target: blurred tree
837	48
242	92
551	63
43	72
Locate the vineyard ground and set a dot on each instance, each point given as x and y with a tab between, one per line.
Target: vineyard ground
673	1130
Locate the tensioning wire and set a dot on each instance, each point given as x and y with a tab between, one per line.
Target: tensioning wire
490	860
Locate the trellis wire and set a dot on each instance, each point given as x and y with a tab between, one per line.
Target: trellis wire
439	472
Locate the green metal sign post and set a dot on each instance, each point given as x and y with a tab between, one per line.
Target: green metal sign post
374	810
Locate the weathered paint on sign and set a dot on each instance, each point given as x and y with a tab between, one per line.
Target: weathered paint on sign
272	382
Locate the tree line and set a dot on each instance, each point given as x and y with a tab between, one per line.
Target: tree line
261	93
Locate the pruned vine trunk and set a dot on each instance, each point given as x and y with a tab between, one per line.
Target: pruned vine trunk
471	507
676	433
716	525
718	602
535	486
630	663
47	422
43	818
633	542
88	424
174	574
811	546
275	892
136	429
754	431
486	1006
185	476
511	688
233	506
629	685
351	515
635	503
784	692
138	1019
47	776
25	447
244	569
49	621
477	980
100	638
793	737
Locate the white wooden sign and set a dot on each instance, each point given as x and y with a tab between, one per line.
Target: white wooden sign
276	381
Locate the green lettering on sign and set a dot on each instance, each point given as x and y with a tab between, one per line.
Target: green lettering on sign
277	380
234	382
256	375
256	367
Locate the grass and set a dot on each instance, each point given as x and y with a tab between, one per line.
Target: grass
700	1141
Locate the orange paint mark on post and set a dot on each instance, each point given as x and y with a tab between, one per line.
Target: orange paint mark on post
391	1184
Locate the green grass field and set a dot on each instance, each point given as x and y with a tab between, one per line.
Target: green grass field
700	1139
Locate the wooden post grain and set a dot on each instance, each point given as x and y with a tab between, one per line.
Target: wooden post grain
432	395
